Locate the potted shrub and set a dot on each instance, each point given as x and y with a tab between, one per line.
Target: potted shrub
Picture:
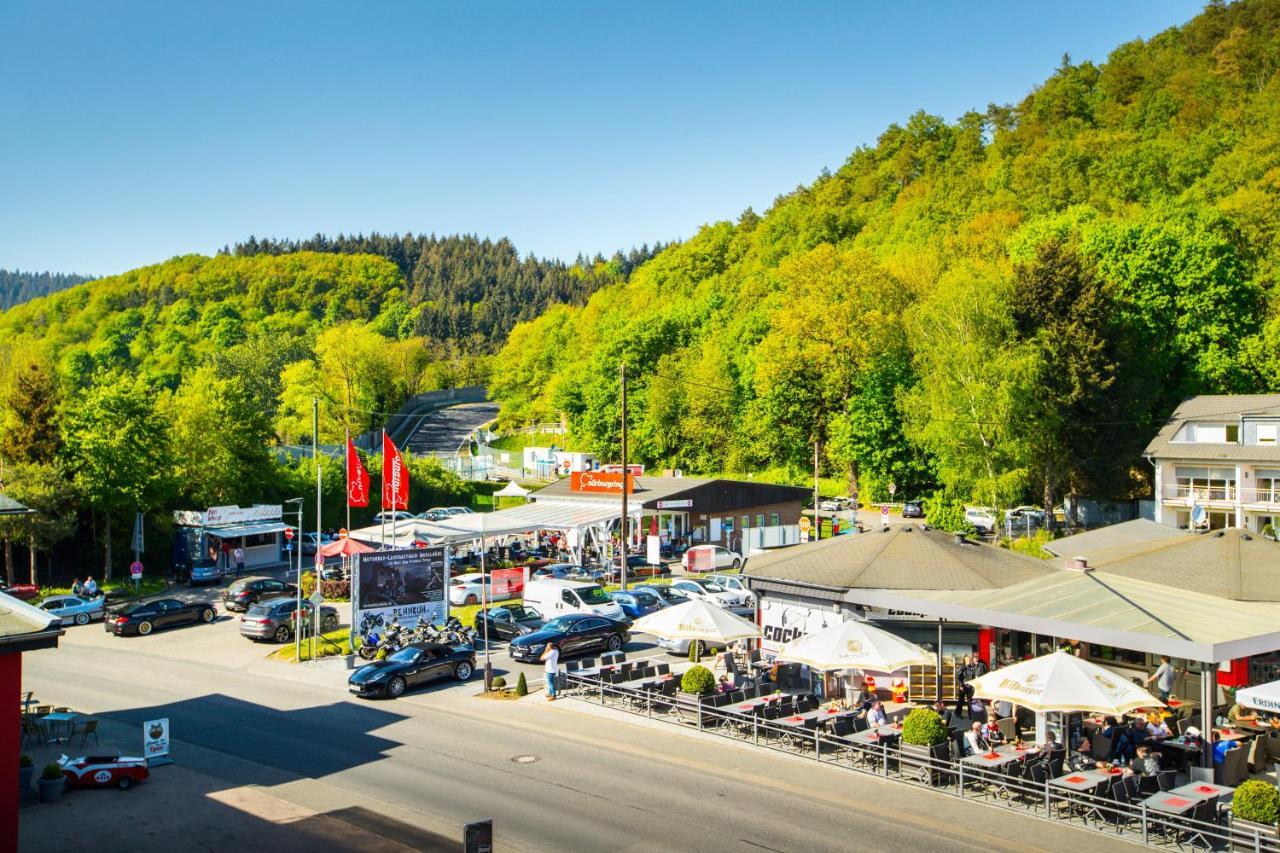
26	769
51	783
926	743
1255	808
697	682
499	683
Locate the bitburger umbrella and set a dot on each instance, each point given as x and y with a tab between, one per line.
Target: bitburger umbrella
1063	682
697	620
854	645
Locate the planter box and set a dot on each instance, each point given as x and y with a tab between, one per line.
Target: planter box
24	779
925	764
1243	836
690	709
51	789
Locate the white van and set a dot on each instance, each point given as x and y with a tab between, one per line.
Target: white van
552	598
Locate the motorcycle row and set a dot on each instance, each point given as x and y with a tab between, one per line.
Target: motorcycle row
376	641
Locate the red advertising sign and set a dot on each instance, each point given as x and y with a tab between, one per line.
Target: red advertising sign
635	469
506	583
600	481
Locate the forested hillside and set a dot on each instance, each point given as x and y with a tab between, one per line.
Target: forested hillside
464	288
18	286
1003	306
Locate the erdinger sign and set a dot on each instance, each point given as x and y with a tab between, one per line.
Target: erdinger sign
600	481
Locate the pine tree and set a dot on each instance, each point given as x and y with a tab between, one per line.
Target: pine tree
30	434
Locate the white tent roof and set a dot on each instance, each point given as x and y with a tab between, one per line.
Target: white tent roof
511	490
544	515
1063	682
696	620
1263	696
854	645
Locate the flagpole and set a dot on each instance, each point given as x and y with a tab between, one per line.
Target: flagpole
315	455
384	487
346	472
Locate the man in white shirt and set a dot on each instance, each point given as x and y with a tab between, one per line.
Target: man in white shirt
551	668
239	557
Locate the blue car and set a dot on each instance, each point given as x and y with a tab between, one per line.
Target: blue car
636	603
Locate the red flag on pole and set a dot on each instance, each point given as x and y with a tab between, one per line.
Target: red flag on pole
357	478
395	478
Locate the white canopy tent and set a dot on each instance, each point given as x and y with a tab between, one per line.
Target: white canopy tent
511	490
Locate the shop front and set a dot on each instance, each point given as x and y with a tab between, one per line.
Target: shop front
214	535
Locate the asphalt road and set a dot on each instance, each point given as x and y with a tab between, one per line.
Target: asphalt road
444	430
421	766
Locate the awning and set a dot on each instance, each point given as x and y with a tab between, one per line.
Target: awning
1110	610
545	515
237	530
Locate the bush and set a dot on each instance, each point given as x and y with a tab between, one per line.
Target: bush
330	589
923	727
698	680
499	682
25	761
522	689
1269	531
1256	801
945	513
51	771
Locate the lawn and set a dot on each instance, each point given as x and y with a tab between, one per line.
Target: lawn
333	643
120	589
520	440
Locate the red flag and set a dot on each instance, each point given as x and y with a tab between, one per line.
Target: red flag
357	478
395	477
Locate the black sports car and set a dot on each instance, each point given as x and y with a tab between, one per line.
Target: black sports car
415	664
145	617
575	634
507	621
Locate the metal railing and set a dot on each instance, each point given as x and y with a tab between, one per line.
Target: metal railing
1000	787
1200	493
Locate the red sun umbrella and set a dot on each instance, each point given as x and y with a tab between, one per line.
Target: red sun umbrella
344	548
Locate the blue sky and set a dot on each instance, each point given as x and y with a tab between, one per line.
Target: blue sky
132	132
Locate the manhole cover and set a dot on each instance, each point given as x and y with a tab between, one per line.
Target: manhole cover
525	759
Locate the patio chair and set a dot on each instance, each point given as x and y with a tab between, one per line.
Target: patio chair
588	663
1101	745
1184	724
806	703
88	727
1167	780
664	669
1257	755
33	729
1008	728
1234	768
1200	774
1194	830
860	724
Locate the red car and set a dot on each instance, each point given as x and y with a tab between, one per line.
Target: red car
103	771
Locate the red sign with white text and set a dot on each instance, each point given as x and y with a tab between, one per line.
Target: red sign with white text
600	481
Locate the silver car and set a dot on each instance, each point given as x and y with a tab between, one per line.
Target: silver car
74	608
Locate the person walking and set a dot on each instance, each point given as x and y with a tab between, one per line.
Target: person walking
239	556
1164	677
551	668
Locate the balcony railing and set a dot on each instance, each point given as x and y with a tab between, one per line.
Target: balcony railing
1200	493
1260	496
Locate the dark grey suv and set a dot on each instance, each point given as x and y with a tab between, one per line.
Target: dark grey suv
273	620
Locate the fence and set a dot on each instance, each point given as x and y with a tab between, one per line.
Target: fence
1019	784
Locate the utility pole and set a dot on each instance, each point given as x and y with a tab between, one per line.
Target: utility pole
315	457
297	611
623	558
817	519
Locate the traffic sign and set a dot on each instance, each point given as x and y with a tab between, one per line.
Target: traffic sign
893	487
316	598
288	533
884	511
288	546
804	524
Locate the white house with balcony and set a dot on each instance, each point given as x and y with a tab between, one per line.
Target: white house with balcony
1217	463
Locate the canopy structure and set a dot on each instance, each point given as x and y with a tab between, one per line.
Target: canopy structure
344	547
854	645
1060	681
1263	696
233	531
697	620
511	490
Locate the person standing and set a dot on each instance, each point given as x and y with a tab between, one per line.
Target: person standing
963	691
239	555
551	668
1164	677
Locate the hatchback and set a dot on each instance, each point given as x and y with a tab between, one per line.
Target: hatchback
273	619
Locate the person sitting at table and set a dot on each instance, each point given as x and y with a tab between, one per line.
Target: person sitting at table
1147	762
1126	745
973	742
723	685
991	731
1157	728
1237	714
1051	749
940	708
1221	748
864	699
876	715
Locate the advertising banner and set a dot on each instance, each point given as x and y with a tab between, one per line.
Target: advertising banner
155	738
782	623
406	585
600	481
506	583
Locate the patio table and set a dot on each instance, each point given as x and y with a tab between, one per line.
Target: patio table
1083	780
1205	791
1000	756
1172	802
55	722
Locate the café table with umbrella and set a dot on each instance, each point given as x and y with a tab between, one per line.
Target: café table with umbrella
697	620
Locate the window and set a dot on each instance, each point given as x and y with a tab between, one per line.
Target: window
592	624
1233	433
1121	656
1266	433
760	520
773	519
258	540
569	598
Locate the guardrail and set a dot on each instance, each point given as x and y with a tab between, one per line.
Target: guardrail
413	408
1037	798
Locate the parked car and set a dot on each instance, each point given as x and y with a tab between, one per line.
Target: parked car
1019	515
415	664
459	510
636	603
982	519
638	566
473	588
709	591
830	505
144	617
559	571
508	621
913	509
247	591
74	608
273	619
555	598
734	583
204	570
435	514
575	634
22	591
109	770
667	597
701	558
392	517
313	542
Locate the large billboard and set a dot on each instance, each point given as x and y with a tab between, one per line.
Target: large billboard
407	585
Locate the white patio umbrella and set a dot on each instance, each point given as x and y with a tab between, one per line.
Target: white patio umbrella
1063	682
1263	696
854	645
697	620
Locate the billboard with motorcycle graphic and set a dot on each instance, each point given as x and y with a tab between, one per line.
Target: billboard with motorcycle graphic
407	586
